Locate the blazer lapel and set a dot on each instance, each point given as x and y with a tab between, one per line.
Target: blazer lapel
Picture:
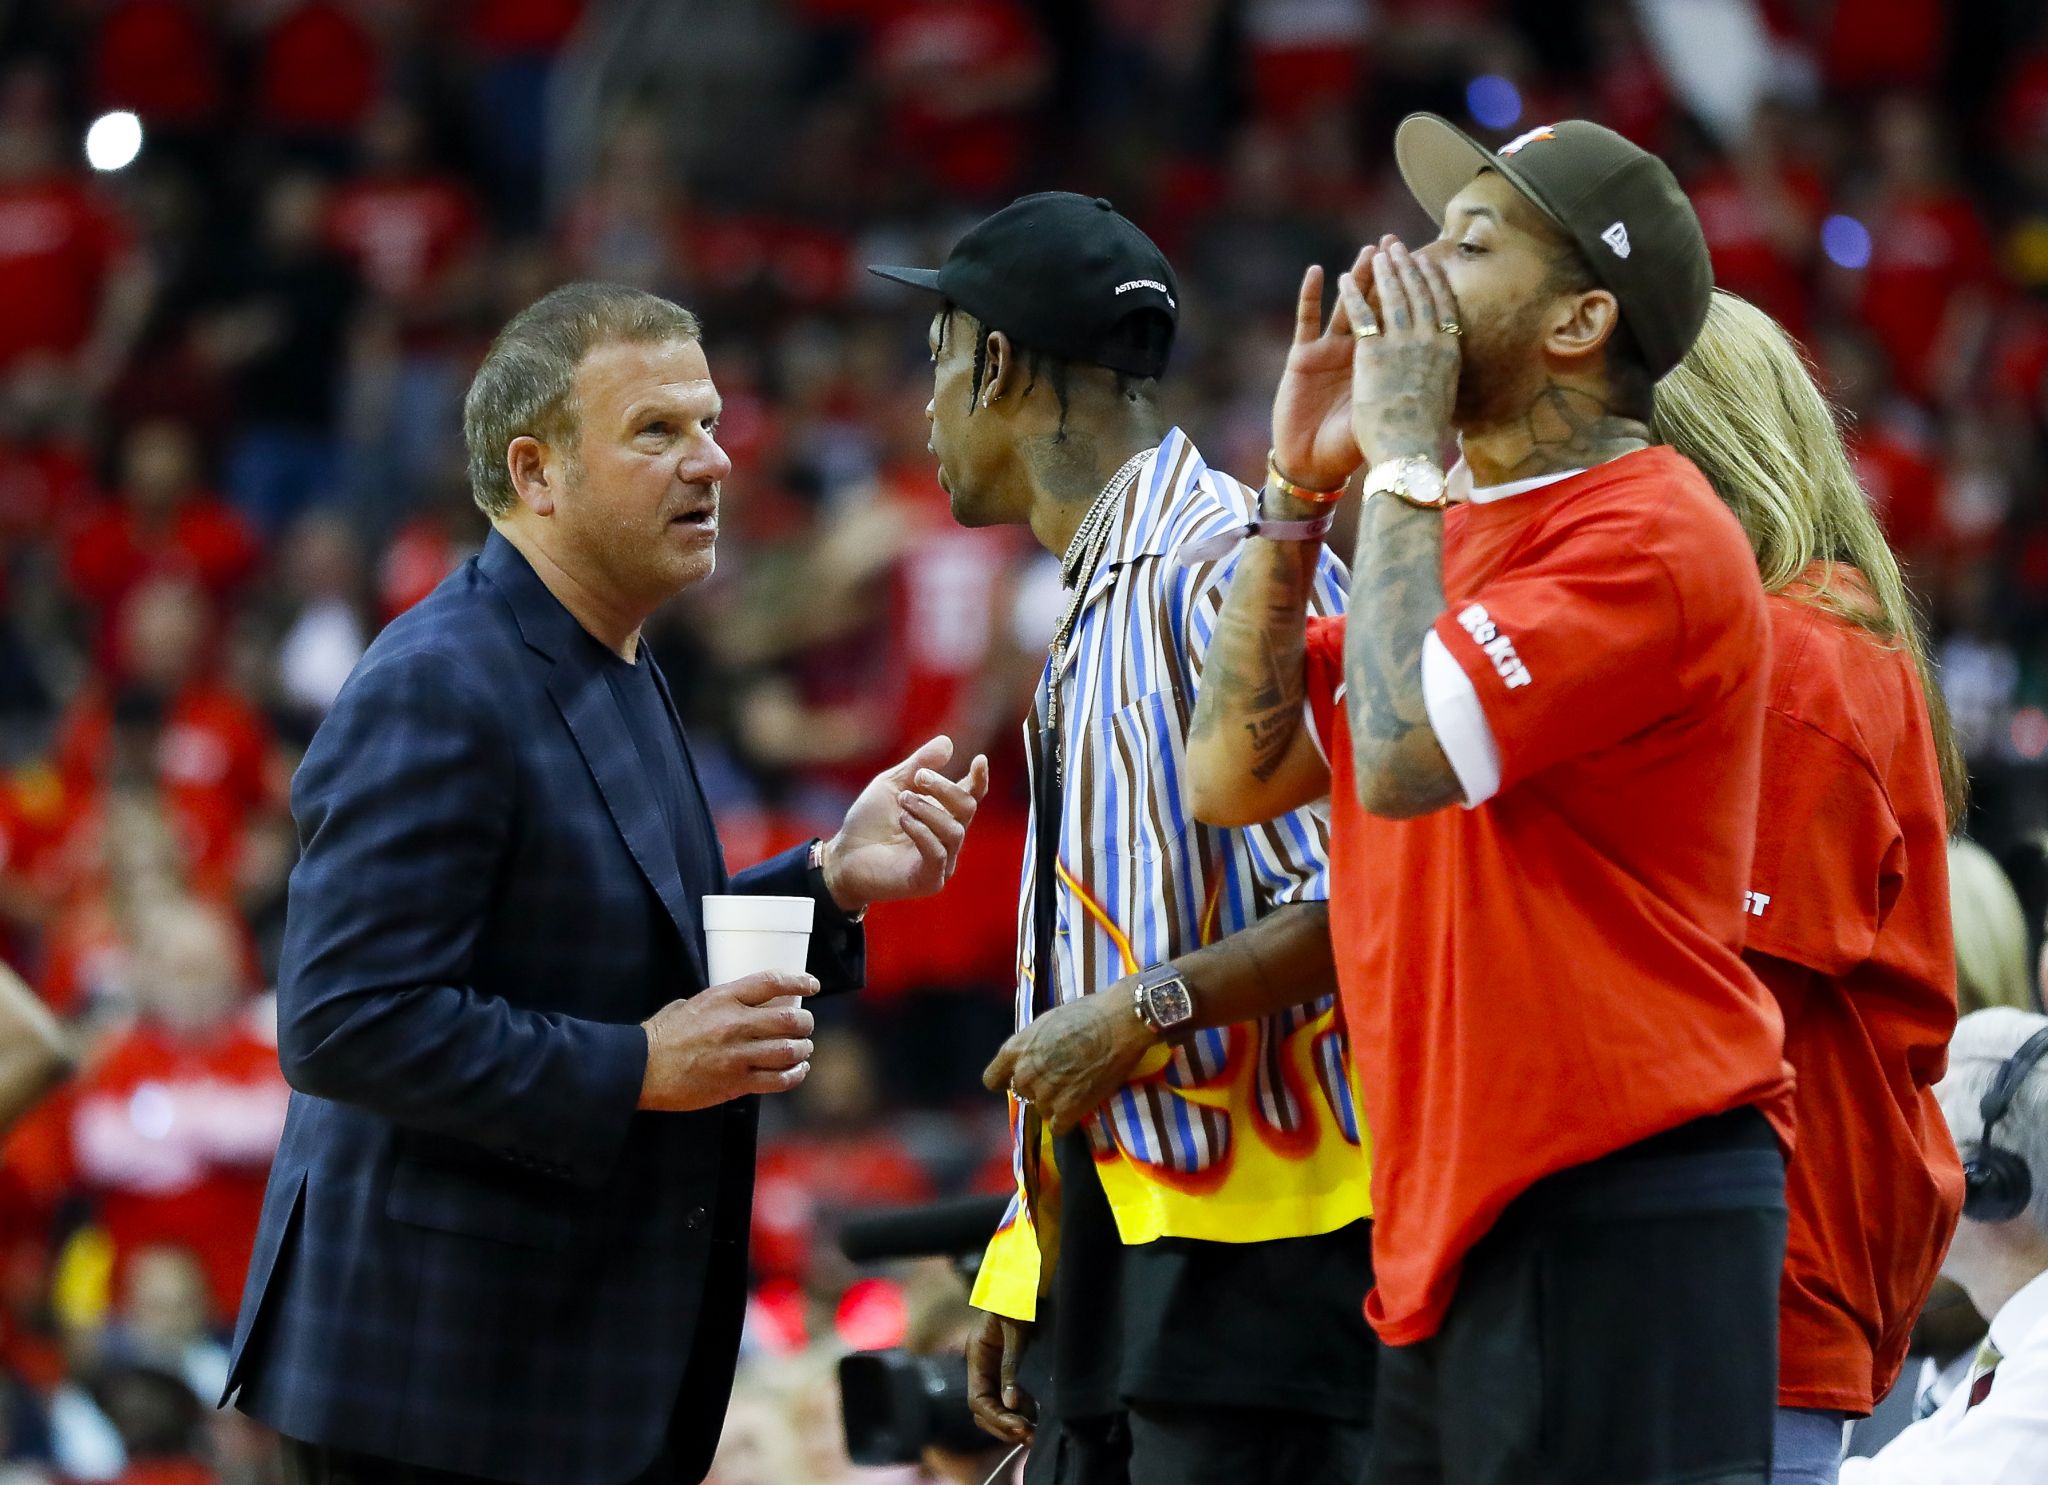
599	728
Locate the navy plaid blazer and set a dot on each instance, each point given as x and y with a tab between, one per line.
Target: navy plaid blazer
475	1255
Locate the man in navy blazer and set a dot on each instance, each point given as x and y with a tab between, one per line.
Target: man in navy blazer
505	1234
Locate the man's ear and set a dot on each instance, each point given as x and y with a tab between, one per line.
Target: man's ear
999	369
535	478
1582	324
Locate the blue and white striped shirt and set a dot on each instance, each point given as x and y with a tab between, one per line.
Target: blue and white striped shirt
1246	1132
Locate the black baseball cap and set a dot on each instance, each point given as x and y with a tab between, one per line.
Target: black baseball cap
1063	274
1620	204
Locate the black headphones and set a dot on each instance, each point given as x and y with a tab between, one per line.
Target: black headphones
1996	1183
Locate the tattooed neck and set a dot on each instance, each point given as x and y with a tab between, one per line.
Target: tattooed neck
1562	428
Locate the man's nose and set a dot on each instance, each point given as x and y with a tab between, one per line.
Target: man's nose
715	465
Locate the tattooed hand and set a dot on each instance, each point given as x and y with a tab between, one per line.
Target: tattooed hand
1068	1062
1404	380
1312	440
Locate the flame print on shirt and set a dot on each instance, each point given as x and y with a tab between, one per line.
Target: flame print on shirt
1229	1103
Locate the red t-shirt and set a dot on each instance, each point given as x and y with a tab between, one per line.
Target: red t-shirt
159	58
319	70
1903	484
402	233
1741	222
1923	250
1557	973
1849	926
59	244
214	764
176	1137
112	552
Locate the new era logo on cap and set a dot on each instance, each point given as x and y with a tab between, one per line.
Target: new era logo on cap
1616	237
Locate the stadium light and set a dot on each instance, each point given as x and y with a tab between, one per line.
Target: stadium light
113	141
1494	101
1846	241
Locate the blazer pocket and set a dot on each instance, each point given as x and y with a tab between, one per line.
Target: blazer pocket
504	1206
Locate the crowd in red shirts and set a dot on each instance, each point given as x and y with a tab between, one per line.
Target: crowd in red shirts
230	383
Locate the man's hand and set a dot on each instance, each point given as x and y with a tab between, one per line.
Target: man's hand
999	1405
1312	439
1067	1062
726	1042
903	835
1404	380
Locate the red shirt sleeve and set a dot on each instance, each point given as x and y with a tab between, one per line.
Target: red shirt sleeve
1579	645
1820	909
1325	663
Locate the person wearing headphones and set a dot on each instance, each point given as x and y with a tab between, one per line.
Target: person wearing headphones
1994	1431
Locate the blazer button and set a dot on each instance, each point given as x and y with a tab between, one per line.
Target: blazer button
695	1218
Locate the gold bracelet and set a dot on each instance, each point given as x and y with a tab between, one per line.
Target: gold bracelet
1302	493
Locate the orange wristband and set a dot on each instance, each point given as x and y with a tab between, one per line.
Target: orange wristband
1302	493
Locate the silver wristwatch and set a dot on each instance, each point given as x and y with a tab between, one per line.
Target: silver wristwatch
1165	1004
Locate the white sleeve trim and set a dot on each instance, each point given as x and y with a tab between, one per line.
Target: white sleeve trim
1459	722
1315	733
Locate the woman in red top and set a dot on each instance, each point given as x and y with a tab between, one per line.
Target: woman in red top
1848	903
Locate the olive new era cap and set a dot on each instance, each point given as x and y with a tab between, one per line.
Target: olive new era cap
1064	274
1620	204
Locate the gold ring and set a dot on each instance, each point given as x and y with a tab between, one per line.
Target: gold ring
1450	327
1366	332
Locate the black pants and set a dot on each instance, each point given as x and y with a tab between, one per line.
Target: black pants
1599	1337
1161	1444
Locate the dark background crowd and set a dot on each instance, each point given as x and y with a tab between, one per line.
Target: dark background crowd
231	373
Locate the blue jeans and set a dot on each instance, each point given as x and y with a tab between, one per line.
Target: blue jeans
1806	1447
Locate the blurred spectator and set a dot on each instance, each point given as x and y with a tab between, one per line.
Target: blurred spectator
161	60
177	1119
413	232
1927	291
163	523
514	44
841	1156
167	1320
1990	930
318	71
960	79
1761	211
211	754
281	327
330	623
158	1421
1993	1430
625	225
72	282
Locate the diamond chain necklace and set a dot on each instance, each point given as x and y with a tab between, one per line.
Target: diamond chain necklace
1077	573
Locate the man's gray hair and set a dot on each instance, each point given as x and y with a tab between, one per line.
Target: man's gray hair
1983	1041
527	382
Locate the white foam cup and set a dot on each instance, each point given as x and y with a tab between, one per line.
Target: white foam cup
747	935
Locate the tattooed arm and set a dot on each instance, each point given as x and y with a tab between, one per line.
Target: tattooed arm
1074	1056
1249	756
1397	593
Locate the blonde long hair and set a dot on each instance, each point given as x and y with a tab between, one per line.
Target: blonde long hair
1990	931
1744	407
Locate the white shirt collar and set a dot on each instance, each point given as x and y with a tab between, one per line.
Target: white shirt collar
1462	489
2021	1316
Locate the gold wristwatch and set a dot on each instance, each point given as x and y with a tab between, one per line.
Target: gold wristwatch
1414	480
